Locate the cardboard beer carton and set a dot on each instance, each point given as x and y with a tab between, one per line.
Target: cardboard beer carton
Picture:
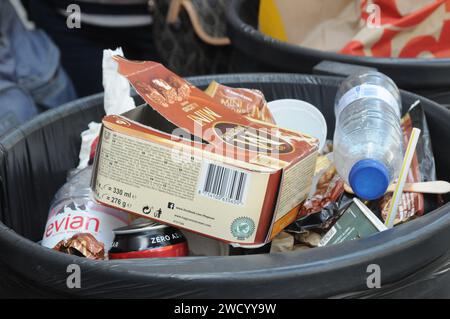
356	222
187	161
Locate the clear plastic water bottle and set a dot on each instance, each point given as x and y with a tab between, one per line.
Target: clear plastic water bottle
368	142
73	212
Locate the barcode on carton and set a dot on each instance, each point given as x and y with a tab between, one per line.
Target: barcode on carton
224	184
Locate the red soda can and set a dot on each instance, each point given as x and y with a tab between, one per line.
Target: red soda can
148	240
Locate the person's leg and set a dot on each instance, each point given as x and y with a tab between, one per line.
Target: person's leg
80	57
82	49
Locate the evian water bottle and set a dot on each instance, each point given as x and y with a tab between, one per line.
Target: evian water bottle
368	147
74	213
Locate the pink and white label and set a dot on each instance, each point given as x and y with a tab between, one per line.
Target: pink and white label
67	220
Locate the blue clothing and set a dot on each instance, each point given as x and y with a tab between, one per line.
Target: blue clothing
31	79
82	49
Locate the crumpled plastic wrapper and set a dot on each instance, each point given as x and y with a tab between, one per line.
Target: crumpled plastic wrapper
246	102
330	187
84	245
283	242
327	187
89	141
422	169
325	202
286	242
117	100
308	238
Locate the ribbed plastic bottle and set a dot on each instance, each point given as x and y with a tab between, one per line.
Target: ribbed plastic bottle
368	142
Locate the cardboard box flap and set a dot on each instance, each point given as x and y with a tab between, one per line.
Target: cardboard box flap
148	117
194	111
191	147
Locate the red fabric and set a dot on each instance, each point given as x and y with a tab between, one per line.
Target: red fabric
398	38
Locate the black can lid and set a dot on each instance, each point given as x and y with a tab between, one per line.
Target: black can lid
138	228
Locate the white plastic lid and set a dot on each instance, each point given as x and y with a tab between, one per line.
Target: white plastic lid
300	116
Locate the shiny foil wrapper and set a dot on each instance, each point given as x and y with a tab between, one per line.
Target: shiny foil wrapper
246	102
83	245
165	91
330	187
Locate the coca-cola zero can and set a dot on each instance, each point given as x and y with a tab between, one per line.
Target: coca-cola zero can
148	240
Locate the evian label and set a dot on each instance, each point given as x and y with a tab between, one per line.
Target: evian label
67	219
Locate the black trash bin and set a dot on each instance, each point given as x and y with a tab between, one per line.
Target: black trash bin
257	52
413	257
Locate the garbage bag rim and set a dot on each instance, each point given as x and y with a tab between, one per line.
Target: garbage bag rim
338	256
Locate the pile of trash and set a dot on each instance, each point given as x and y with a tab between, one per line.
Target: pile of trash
224	172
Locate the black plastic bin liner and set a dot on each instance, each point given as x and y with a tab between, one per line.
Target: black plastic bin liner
414	257
257	52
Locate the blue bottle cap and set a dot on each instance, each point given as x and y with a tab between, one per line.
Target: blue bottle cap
369	179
